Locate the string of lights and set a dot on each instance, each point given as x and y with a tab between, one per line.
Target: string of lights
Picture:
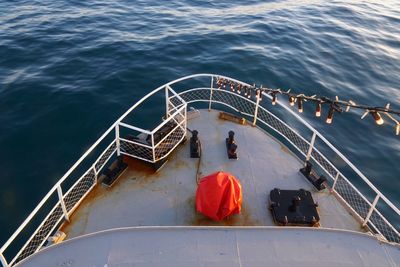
334	105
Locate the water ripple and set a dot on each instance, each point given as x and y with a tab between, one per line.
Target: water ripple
62	63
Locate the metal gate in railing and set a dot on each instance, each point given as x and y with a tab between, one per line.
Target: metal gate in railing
155	145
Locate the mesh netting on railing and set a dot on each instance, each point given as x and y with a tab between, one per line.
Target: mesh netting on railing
325	164
71	198
172	133
194	95
75	194
175	137
345	189
241	104
284	130
42	233
247	106
168	138
136	150
105	156
84	184
175	102
179	117
355	200
383	227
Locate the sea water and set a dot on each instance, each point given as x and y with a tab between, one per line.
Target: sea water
69	69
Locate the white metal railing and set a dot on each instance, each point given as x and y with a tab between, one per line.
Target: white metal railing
70	199
155	148
65	205
161	141
357	203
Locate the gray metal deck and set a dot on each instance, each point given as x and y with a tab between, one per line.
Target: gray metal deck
222	246
142	198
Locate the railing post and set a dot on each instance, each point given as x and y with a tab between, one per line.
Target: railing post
185	117
96	173
258	97
211	93
117	139
153	148
311	146
3	260
334	182
371	210
60	197
166	103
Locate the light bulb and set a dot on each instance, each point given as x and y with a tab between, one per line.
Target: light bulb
377	117
274	98
318	110
291	101
300	104
330	115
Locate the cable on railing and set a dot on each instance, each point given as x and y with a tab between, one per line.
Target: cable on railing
335	105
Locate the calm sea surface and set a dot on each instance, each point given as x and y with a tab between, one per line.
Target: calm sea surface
68	69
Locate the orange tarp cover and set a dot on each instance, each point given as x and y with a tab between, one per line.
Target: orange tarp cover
219	195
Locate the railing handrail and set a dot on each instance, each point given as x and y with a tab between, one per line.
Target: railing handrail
311	128
134	128
343	157
88	151
372	207
168	86
166	121
329	144
54	188
366	180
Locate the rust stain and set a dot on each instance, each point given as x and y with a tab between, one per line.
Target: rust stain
223	116
81	214
285	149
138	174
139	166
180	164
139	182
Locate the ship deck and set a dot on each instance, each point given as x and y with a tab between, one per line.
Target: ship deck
141	197
219	246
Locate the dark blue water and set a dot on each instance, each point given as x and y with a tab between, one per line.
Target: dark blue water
68	69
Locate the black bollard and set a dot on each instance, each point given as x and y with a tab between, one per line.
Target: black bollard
231	146
195	146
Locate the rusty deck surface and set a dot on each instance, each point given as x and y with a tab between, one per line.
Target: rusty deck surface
141	197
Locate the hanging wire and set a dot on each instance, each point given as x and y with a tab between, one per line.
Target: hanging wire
334	105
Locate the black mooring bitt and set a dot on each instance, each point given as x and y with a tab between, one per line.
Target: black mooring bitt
114	171
231	145
195	145
311	175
